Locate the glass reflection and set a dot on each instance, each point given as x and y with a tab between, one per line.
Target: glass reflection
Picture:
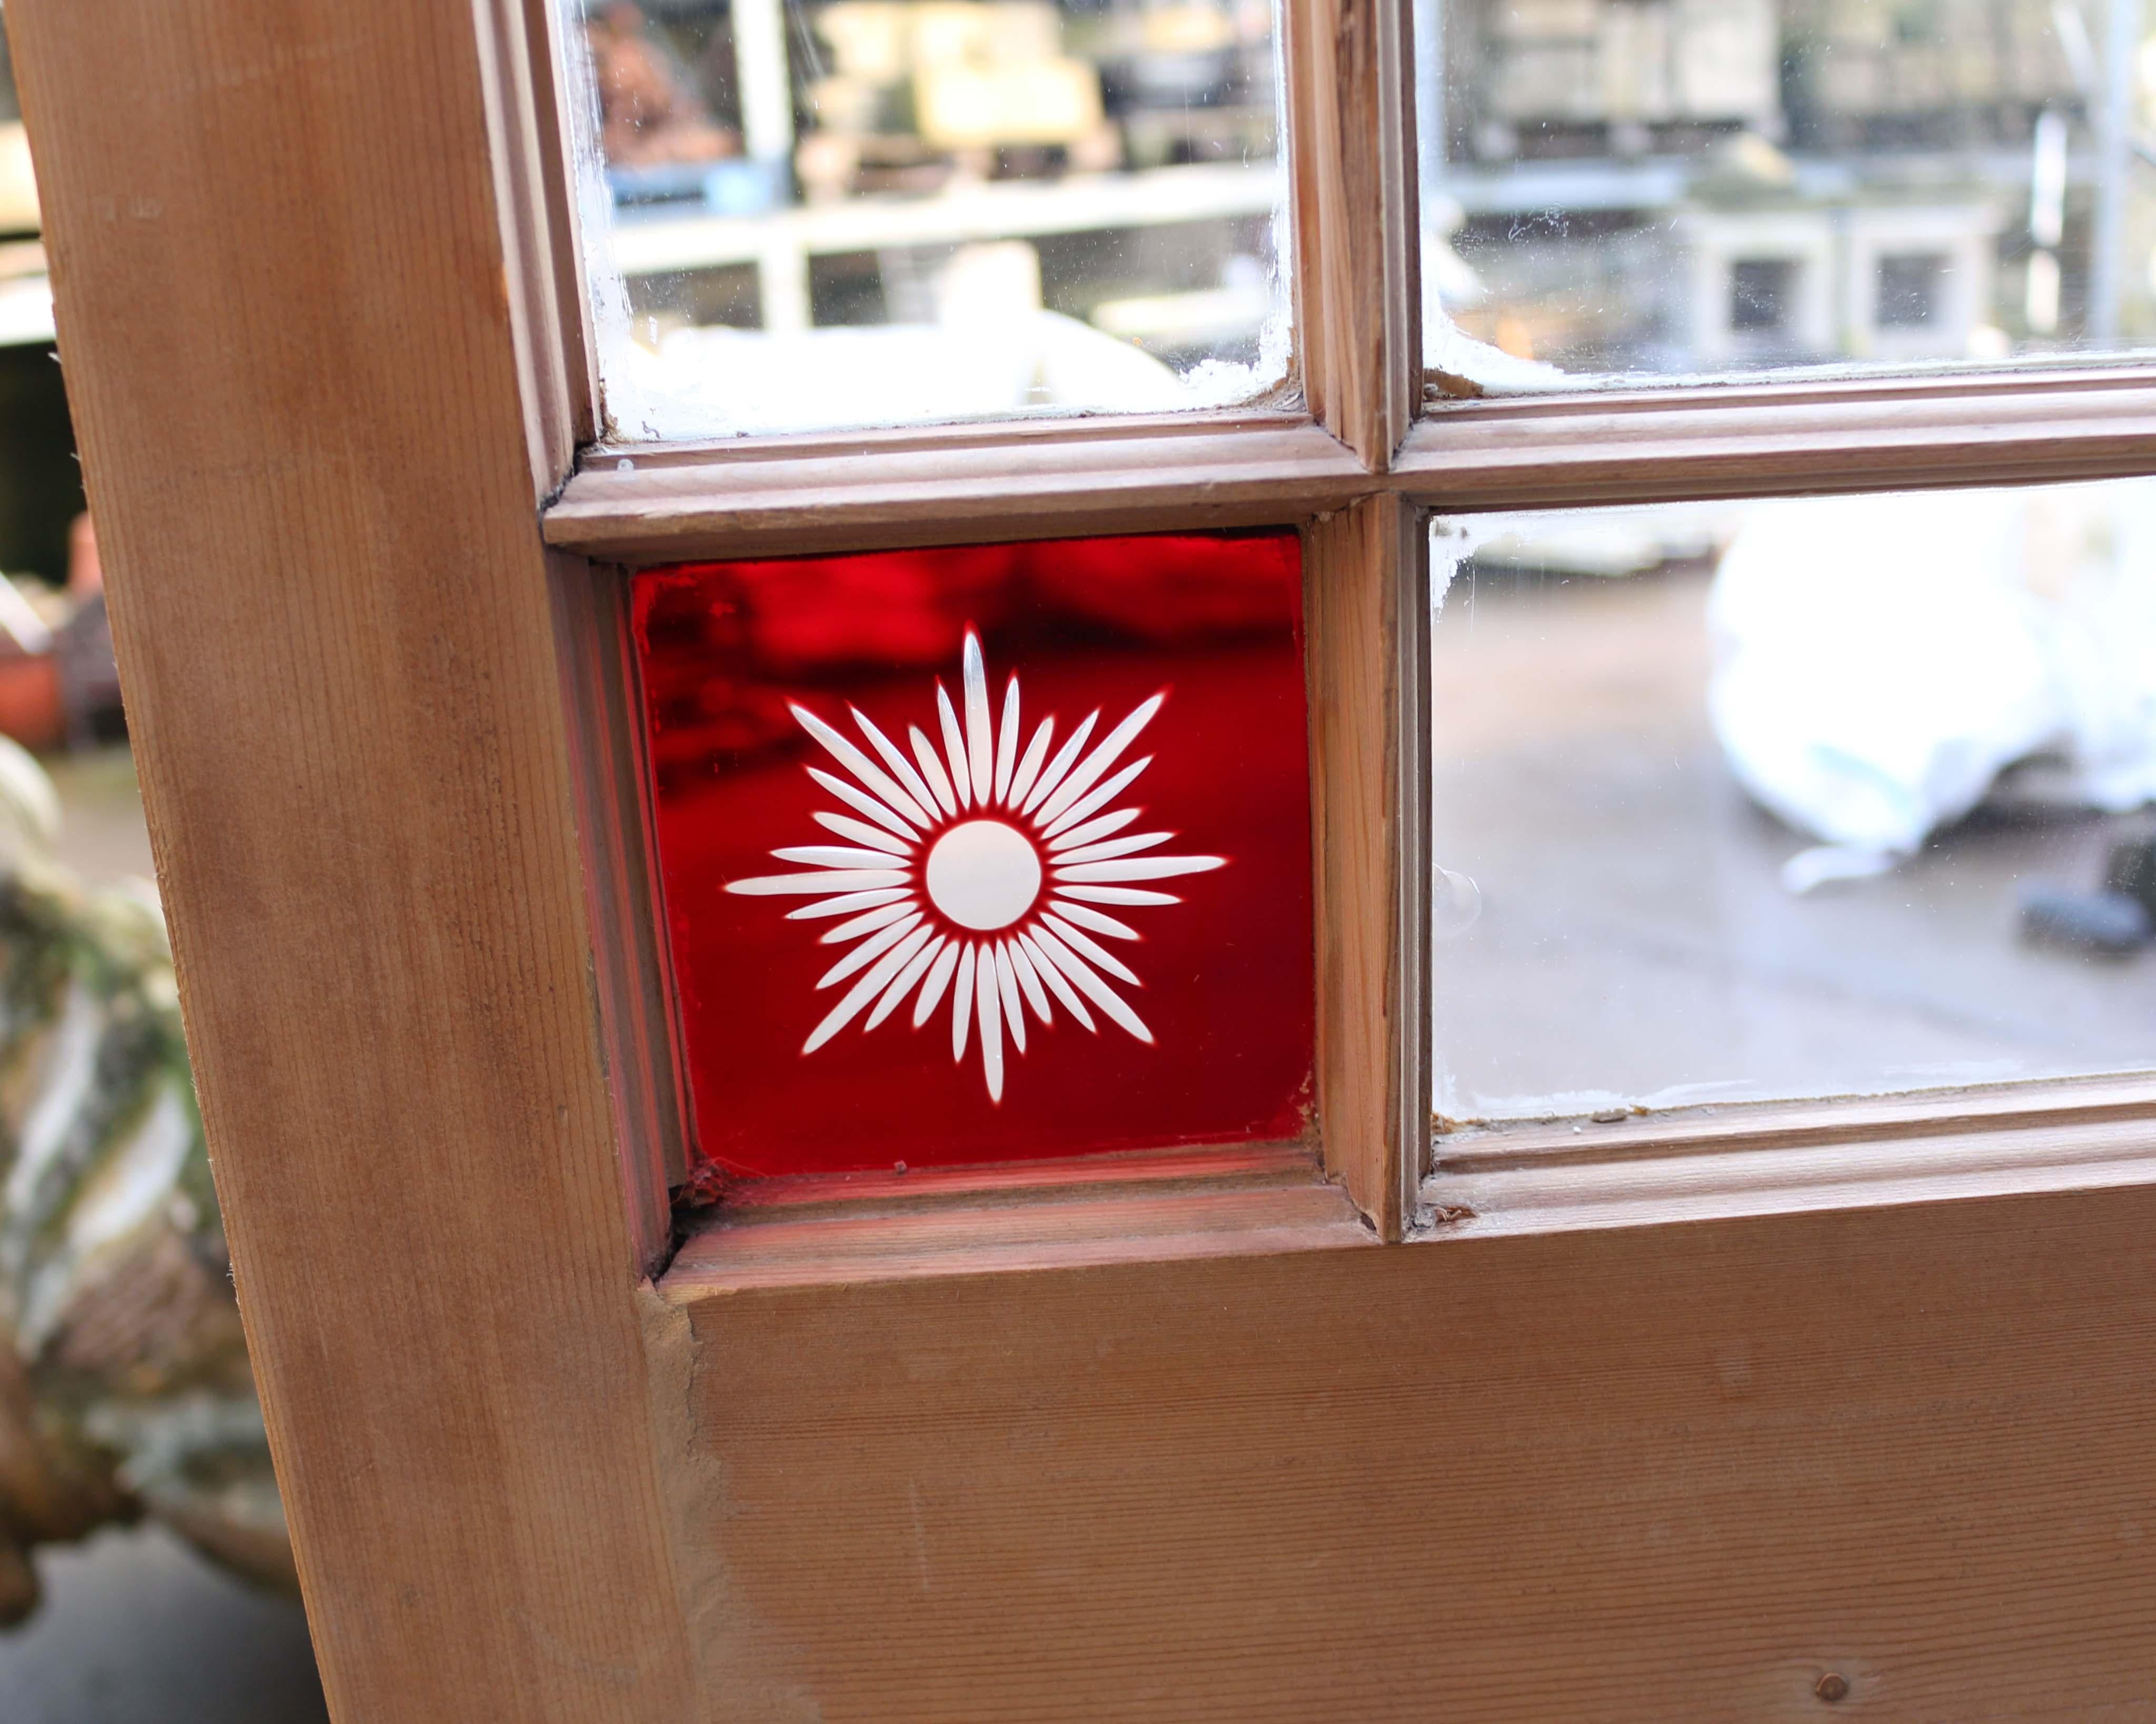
1796	798
1676	186
880	212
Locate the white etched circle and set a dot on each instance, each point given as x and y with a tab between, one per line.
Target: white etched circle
982	874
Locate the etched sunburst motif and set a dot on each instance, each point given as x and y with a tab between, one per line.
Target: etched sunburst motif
978	871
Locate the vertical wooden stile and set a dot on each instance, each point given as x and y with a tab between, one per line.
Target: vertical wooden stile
541	64
630	965
320	382
1357	232
1350	70
541	267
1367	575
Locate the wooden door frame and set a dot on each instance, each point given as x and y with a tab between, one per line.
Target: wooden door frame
1672	1434
320	410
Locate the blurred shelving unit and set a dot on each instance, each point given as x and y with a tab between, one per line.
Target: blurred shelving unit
1131	142
1673	186
780	243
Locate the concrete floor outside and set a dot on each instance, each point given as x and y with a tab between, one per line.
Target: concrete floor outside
1634	942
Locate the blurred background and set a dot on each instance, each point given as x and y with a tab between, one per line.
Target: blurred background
802	216
880	212
1815	796
1673	186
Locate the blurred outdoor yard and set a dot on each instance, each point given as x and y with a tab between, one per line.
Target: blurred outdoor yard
136	1627
1636	942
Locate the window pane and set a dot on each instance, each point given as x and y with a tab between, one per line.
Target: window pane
859	213
1793	798
985	853
1618	188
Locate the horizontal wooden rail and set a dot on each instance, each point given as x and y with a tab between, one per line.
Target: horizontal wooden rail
957	485
952	487
1713	441
1668	1473
2073	1134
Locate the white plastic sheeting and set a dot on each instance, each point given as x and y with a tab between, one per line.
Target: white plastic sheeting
1881	660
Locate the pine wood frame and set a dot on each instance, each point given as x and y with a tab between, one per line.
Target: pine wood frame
1669	1429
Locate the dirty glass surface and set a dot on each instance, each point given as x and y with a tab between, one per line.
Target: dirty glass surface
1793	798
809	214
1637	188
984	853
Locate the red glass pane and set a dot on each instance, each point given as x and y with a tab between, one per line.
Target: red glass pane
983	853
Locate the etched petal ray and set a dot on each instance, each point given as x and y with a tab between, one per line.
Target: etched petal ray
987	1007
1028	766
954	745
855	796
1103	996
864	990
1007	742
860	766
1057	984
896	993
931	990
1006	987
1100	796
1053	775
932	769
1087	774
831	879
1092	830
980	736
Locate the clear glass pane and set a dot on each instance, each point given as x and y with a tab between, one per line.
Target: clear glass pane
1663	188
1794	798
859	213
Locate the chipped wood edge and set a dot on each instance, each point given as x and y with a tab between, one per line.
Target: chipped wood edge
1691	1183
1622	1134
1626	1166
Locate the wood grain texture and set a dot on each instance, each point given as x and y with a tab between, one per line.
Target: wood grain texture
1366	578
1671	445
864	1244
1213	1166
1357	234
632	966
1650	1474
887	490
285	304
